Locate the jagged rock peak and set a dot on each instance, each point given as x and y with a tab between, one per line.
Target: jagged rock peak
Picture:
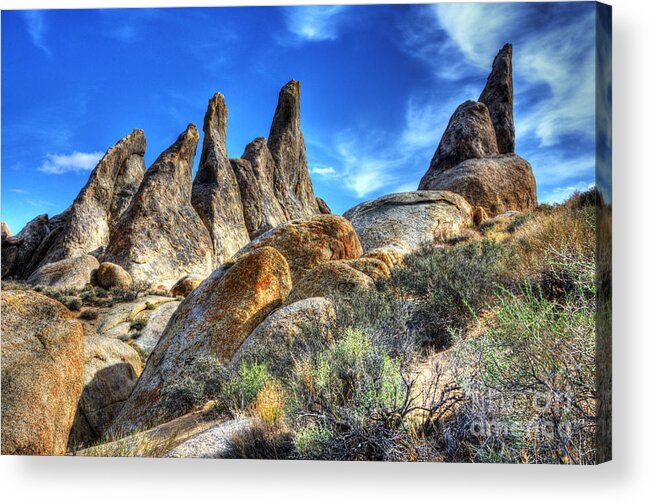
287	145
215	125
160	237
498	97
84	227
469	134
215	192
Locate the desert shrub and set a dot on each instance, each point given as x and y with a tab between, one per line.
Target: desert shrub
381	316
244	384
261	440
518	220
569	234
73	303
138	324
89	314
203	379
529	380
133	444
351	402
450	284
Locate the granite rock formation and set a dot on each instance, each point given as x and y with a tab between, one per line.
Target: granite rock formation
18	250
42	373
498	97
215	191
160	237
409	219
476	158
287	147
84	227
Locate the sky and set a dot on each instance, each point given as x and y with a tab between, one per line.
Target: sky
378	82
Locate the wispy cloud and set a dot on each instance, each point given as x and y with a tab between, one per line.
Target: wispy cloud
57	164
38	203
323	171
36	27
314	23
18	191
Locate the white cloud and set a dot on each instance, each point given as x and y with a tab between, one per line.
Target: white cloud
18	191
323	171
57	164
36	27
314	23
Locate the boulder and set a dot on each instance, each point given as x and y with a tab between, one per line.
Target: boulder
215	191
307	242
285	329
186	285
5	232
160	237
42	373
498	97
26	243
127	312
111	369
409	219
469	135
287	146
157	320
213	321
479	215
259	180
72	273
497	183
113	276
333	278
392	255
84	227
373	267
323	206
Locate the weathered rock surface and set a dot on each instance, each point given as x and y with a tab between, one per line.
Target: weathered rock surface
156	323
110	187
160	237
323	206
497	183
213	320
328	279
498	97
127	312
113	276
373	267
111	369
18	251
72	273
307	242
287	147
5	232
285	328
186	285
42	373
476	156
260	181
469	135
409	219
392	255
215	191
212	443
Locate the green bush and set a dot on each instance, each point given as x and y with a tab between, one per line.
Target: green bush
530	383
244	385
451	284
351	402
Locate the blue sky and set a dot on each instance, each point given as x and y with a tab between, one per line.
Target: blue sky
379	84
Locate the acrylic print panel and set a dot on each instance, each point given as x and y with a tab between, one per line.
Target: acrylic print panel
395	247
